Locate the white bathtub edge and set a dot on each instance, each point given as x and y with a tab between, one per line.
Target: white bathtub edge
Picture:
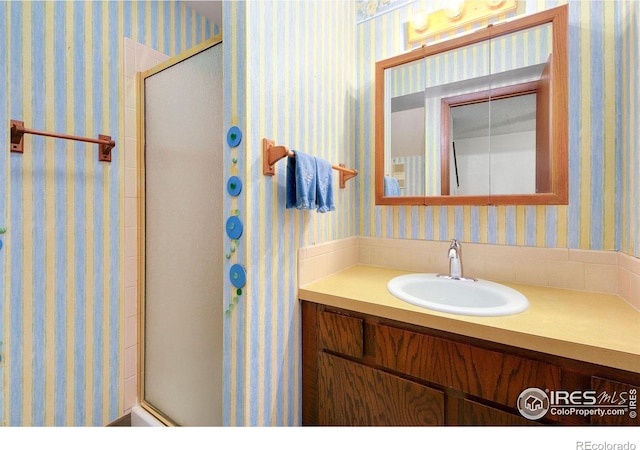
141	418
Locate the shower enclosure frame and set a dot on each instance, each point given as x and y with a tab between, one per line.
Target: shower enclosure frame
141	213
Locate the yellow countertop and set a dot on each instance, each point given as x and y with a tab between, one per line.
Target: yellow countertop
586	326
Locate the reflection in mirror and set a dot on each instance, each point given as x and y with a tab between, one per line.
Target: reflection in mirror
405	161
492	137
509	167
419	126
407	150
501	82
414	92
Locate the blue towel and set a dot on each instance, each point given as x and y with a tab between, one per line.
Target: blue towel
324	192
301	181
391	187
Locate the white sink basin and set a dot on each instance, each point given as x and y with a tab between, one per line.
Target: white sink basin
472	298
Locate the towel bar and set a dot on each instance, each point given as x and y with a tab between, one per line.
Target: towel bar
272	153
17	131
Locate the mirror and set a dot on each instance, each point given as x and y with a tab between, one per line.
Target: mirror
476	120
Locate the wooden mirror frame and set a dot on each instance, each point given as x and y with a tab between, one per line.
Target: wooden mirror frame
559	191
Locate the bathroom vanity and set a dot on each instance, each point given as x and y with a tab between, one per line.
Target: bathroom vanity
371	359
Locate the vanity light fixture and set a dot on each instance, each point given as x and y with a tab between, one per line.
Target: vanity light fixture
457	14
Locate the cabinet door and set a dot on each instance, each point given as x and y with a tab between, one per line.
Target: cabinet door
619	402
461	411
352	394
341	334
495	376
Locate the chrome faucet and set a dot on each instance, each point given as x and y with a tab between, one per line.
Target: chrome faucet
455	262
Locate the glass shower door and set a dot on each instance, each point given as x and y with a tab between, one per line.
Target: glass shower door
181	380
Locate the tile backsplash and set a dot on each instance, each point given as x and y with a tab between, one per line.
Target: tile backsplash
608	272
320	261
629	279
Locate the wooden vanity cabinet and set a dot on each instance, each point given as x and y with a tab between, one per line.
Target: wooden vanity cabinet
365	370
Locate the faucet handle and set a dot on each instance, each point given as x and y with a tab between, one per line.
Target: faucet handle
455	244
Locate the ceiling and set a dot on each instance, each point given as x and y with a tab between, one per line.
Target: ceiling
212	10
504	116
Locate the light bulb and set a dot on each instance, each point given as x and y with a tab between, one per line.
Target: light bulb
455	9
494	4
420	21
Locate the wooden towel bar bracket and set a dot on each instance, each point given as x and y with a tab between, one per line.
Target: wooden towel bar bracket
105	144
272	153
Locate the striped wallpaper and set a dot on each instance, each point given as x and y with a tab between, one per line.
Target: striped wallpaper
61	265
413	174
628	163
588	222
290	77
308	86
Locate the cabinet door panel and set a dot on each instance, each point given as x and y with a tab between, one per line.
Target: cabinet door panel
352	394
341	334
488	374
462	411
614	394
